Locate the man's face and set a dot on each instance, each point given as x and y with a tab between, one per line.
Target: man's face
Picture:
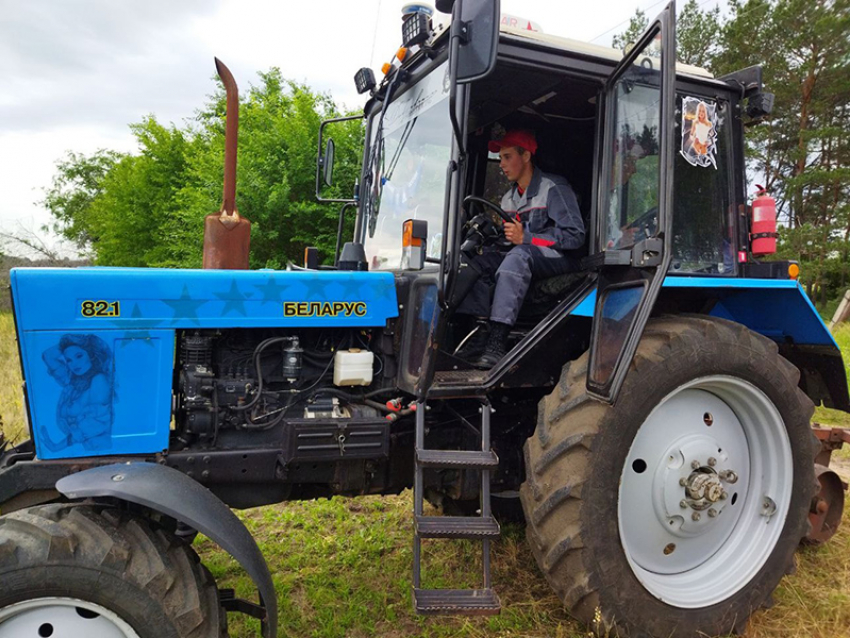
512	160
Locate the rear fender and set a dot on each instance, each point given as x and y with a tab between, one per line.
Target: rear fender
173	493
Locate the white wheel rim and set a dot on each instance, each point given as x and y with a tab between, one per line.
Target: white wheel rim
61	618
689	561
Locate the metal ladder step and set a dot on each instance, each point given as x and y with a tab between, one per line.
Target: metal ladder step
484	528
458	459
472	602
472	527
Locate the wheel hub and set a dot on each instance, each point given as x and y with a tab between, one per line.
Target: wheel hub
693	480
703	488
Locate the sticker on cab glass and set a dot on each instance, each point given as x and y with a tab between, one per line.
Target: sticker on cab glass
699	132
324	308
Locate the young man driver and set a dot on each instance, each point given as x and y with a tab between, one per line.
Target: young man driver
547	233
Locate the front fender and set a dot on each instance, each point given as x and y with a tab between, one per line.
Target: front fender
173	493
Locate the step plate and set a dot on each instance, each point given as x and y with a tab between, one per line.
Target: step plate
465	602
457	459
460	377
472	527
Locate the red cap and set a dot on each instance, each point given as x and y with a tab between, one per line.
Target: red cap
523	139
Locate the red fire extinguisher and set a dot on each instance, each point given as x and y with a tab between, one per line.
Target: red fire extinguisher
763	232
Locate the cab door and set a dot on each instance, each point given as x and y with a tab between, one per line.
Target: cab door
633	201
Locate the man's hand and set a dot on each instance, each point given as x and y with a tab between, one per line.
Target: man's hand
513	232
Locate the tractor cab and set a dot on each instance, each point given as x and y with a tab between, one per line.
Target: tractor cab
617	128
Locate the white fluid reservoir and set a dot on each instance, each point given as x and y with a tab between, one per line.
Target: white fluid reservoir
353	367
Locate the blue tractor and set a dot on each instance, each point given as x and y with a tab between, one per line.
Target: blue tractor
650	421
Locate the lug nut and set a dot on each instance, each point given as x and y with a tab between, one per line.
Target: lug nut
712	461
712	513
729	476
683	504
695	465
683	482
723	495
695	516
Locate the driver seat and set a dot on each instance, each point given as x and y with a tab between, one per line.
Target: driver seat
545	294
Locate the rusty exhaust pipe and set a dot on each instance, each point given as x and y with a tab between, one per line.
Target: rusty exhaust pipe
227	235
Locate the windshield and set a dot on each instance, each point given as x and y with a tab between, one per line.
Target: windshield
406	168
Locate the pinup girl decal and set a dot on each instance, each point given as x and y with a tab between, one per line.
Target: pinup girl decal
82	365
699	132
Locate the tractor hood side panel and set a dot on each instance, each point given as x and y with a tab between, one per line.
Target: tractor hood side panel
97	344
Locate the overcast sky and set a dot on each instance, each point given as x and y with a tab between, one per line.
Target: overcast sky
76	73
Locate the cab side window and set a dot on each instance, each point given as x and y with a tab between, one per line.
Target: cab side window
702	193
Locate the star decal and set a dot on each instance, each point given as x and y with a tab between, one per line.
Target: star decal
135	335
272	291
353	287
185	307
316	289
383	289
233	300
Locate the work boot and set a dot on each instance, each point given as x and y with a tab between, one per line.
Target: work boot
496	346
472	346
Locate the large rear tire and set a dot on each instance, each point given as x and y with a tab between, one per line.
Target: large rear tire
675	512
88	570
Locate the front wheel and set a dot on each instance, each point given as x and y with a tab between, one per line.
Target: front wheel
677	511
94	572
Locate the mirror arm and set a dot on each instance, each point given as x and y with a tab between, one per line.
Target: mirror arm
459	30
442	280
339	230
453	102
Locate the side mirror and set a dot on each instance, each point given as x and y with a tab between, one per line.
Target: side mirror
328	163
325	157
477	23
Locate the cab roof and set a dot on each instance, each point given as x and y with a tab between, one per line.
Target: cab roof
588	49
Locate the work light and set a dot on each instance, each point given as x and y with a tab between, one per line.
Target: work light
364	80
415	29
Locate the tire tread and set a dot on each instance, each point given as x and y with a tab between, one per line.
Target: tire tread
105	539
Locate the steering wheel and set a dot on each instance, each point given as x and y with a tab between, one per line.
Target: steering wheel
488	204
481	230
641	228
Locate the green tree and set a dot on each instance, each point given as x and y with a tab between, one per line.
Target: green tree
698	35
77	183
637	25
147	208
136	216
801	151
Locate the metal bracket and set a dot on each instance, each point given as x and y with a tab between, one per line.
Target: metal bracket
227	598
463	32
647	253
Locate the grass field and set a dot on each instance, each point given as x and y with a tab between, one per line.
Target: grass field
342	567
